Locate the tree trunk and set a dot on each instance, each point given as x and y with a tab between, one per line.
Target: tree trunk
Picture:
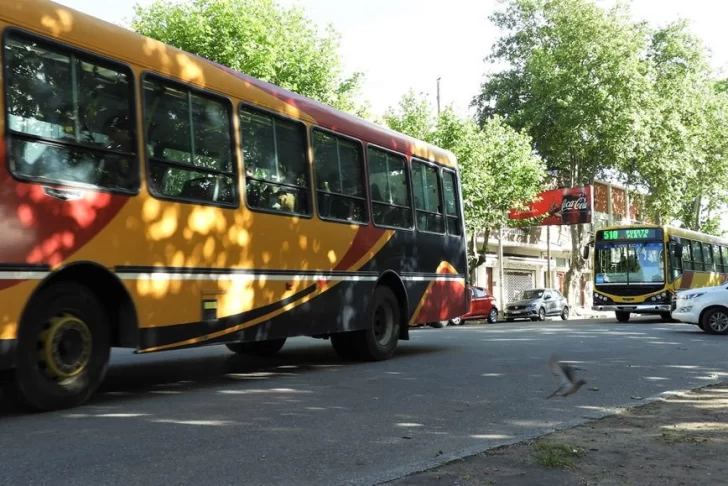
572	279
475	257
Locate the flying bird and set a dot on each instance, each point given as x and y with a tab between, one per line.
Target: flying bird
564	371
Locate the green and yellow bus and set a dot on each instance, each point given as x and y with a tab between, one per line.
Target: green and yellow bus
638	268
154	200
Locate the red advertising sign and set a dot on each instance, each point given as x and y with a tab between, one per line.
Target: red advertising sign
571	205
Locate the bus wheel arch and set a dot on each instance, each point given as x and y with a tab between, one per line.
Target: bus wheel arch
111	293
394	282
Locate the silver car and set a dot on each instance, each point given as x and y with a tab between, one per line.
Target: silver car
537	304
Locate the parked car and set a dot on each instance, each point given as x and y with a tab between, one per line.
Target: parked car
537	304
707	308
482	306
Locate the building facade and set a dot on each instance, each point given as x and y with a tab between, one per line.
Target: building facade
525	251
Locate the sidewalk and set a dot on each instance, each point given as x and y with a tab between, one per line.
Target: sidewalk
588	313
682	440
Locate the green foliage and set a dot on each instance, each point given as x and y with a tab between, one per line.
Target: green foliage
412	117
257	37
600	93
682	157
499	170
574	83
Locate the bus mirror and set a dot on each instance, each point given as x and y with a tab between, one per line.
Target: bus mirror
586	252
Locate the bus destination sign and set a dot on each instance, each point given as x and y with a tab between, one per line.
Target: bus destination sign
631	234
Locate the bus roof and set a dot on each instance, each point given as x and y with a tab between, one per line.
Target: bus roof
71	26
674	231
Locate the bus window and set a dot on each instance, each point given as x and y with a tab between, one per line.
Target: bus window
391	202
339	171
687	258
449	182
276	164
426	187
70	117
708	257
189	144
698	258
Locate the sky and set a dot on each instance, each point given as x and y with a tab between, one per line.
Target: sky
403	44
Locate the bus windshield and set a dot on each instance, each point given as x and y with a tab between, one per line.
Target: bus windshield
630	263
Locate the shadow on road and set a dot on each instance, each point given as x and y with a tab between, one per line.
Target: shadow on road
141	378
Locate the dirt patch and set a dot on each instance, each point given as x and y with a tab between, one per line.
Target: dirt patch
679	441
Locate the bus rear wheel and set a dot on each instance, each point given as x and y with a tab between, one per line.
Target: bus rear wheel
379	340
622	316
344	346
63	348
258	348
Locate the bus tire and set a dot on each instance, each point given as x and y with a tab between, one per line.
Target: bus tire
262	349
622	316
379	340
344	346
63	348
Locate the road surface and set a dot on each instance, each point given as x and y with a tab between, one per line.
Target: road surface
305	417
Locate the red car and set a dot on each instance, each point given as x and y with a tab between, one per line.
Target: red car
482	306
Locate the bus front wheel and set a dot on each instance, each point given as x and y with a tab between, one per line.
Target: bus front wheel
378	341
63	348
622	316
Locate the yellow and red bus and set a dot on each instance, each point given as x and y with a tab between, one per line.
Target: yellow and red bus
154	200
638	268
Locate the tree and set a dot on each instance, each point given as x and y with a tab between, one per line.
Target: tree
575	83
498	169
260	38
412	117
681	160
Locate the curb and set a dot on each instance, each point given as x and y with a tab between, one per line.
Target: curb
445	459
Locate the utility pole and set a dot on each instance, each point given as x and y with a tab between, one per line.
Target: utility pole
501	280
438	96
549	284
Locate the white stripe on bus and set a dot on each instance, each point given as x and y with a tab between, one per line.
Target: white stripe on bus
238	277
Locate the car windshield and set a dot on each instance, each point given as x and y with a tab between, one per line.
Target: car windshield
531	294
630	263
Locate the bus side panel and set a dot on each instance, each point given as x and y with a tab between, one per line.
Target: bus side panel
311	312
433	270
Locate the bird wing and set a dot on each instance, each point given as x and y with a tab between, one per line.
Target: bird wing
560	370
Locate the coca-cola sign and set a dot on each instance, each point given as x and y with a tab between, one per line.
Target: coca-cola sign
571	205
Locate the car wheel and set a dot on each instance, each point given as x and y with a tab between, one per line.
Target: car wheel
457	321
565	313
542	314
493	316
715	321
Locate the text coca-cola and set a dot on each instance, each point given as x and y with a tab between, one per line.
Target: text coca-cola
575	209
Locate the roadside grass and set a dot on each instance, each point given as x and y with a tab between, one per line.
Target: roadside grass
675	438
555	454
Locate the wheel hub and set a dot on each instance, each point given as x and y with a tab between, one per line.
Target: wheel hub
718	322
382	324
65	347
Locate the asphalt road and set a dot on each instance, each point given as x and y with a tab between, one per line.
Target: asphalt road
304	417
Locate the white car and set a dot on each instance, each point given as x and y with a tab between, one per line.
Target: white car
707	308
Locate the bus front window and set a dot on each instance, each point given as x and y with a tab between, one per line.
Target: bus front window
630	263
